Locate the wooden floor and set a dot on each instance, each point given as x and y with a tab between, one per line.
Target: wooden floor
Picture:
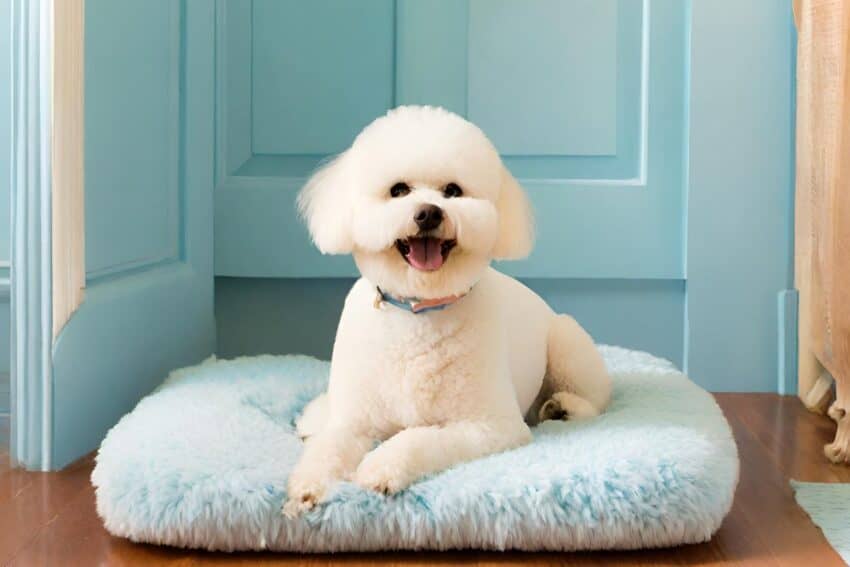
49	519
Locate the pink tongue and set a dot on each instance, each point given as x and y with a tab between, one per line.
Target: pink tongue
425	253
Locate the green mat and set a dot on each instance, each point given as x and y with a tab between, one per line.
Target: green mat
828	504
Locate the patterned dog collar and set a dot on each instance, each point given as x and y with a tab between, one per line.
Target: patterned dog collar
414	304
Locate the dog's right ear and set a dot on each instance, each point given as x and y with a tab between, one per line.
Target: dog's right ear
325	205
516	221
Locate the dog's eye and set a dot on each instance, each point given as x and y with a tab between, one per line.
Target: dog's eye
399	190
452	190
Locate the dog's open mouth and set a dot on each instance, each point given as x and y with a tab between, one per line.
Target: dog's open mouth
425	252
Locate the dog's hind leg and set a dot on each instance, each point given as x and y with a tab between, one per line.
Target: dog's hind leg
314	417
577	384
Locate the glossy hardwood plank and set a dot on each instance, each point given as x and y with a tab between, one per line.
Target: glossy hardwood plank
38	500
51	518
765	499
792	438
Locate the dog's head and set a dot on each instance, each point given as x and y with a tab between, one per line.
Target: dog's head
423	202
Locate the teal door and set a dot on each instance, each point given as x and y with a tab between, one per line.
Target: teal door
148	307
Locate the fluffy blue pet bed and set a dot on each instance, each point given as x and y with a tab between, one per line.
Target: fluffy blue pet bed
203	461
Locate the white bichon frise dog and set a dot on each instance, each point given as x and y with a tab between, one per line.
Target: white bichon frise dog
438	356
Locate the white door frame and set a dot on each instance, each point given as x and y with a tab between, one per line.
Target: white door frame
48	268
31	233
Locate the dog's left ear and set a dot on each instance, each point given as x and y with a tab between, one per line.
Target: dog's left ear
324	203
516	221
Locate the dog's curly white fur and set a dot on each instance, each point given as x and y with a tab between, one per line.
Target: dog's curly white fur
444	386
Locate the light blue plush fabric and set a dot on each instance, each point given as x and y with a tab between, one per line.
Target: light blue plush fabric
828	504
203	461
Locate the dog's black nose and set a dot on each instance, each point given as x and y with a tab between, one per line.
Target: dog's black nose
428	217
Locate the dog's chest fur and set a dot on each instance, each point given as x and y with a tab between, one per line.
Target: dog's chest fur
429	356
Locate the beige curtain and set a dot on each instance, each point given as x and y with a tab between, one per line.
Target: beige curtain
822	247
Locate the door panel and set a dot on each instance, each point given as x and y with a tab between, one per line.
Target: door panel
132	134
533	65
149	178
316	84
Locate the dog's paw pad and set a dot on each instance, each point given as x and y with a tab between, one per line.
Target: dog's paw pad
565	406
293	508
381	482
300	504
382	486
382	476
553	410
302	497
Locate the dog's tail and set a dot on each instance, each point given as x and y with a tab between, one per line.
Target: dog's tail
314	417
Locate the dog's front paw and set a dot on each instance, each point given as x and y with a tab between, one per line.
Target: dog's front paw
303	494
384	471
